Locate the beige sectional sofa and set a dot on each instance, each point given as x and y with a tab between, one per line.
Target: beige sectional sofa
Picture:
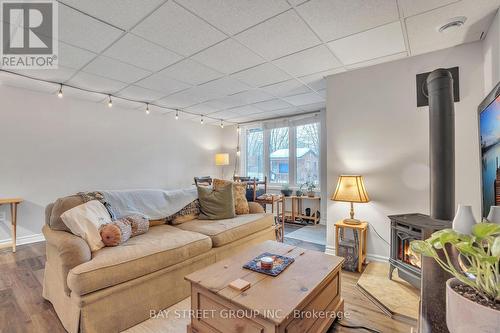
115	288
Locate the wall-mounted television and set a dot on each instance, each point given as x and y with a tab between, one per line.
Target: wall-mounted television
489	134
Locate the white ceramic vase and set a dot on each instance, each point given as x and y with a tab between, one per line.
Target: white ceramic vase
464	220
494	215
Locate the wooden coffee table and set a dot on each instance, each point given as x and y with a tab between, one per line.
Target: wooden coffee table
303	298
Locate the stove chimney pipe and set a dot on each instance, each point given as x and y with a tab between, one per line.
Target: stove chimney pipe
442	144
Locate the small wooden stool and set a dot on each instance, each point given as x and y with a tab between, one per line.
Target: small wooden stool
362	228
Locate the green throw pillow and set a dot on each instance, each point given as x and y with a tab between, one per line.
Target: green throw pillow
216	205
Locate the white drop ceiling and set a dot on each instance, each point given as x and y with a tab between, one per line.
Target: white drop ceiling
240	60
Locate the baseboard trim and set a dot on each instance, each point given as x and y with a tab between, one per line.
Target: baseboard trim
22	240
370	257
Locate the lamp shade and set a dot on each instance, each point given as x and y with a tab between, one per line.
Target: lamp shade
350	189
221	159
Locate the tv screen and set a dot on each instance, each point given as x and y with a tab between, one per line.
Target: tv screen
489	130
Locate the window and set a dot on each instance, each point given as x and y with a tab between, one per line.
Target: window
255	153
279	155
307	157
286	155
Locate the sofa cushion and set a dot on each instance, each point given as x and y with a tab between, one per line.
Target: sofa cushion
161	247
228	230
58	208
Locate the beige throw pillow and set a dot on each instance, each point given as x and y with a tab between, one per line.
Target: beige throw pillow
239	194
216	204
85	221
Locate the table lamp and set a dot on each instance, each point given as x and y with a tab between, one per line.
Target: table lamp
351	189
222	159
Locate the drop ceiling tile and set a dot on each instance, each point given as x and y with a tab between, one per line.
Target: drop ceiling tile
180	100
304	99
224	103
191	72
121	13
58	75
262	75
252	96
234	16
228	57
423	31
287	88
226	114
82	95
313	107
274	104
333	19
141	53
203	108
379	42
177	29
162	84
115	70
296	2
317	81
245	110
141	94
378	60
309	61
412	7
224	86
74	57
15	81
96	83
279	36
83	31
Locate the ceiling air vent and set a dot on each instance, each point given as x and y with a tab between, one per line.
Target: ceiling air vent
452	24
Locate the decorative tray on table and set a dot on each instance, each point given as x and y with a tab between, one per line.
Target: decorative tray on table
279	264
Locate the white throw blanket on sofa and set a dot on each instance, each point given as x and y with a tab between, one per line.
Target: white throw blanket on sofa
154	204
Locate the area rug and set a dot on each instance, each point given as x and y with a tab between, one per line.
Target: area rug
396	297
310	233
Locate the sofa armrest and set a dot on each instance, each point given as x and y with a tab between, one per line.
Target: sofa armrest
65	251
255	208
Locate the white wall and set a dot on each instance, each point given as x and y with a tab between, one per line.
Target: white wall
54	147
375	129
491	51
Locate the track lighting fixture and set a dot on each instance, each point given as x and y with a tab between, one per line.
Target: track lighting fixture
238	129
110	102
201	120
176	114
60	93
147	108
221	124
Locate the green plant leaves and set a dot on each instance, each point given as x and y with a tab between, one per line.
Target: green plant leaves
483	230
423	247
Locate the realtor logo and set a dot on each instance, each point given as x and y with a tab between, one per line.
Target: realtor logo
29	34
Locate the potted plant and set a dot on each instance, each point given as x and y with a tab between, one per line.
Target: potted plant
285	190
300	191
473	295
310	189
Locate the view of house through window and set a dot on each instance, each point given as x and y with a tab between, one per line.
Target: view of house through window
277	161
279	155
255	153
307	153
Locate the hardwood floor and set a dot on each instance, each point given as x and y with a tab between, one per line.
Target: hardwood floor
22	308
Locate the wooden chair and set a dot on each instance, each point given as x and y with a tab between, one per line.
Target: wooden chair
253	190
203	181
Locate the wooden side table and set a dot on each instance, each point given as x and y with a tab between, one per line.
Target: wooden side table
362	228
297	212
13	202
275	199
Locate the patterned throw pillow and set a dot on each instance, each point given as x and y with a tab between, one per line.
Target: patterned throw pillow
239	195
188	213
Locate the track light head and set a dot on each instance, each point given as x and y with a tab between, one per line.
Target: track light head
60	93
176	114
147	108
110	102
